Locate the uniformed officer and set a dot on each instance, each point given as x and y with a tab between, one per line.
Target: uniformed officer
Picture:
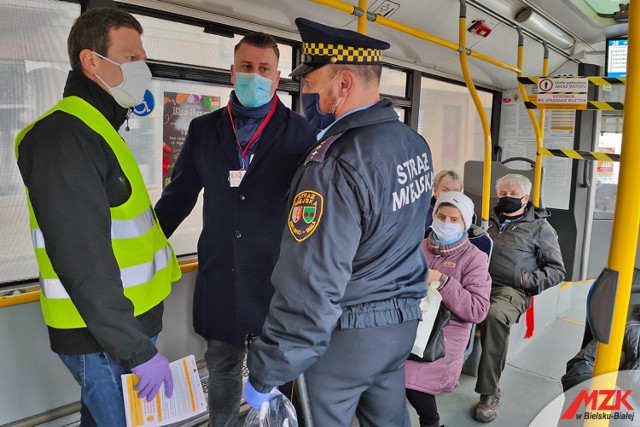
351	272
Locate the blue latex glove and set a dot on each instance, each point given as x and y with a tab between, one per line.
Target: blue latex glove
254	398
151	375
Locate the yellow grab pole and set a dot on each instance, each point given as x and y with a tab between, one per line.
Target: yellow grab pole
534	122
486	128
537	185
627	214
362	20
345	7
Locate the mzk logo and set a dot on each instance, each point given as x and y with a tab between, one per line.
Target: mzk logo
600	400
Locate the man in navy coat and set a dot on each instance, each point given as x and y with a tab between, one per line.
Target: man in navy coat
244	156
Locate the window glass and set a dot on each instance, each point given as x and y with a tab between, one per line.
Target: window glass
450	123
607	173
393	82
189	44
33	69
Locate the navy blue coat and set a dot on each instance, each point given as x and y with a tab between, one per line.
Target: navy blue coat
351	256
242	226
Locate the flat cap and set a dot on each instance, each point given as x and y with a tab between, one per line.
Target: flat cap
328	45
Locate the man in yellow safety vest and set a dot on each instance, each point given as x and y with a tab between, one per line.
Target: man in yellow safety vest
105	264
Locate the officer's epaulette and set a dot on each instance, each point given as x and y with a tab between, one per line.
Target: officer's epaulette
319	151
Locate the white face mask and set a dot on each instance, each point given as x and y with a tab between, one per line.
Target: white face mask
136	77
446	231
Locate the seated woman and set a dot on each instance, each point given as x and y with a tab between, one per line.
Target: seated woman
464	283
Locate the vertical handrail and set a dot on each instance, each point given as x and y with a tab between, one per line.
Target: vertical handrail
362	19
486	128
627	212
534	122
537	185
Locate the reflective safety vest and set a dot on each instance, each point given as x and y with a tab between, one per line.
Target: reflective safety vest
147	261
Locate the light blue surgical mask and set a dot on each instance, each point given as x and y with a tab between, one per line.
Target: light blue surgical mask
446	232
252	89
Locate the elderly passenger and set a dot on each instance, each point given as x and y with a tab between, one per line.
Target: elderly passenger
446	180
461	273
526	260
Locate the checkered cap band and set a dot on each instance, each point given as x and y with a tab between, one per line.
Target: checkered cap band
343	53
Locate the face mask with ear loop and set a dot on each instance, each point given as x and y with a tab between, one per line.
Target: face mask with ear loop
136	77
311	108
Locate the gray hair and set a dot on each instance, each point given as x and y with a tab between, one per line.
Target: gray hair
517	179
448	174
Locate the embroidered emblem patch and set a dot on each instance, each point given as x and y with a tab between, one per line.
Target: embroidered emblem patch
449	264
307	205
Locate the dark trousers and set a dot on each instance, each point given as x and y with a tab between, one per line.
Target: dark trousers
507	305
362	373
224	363
426	407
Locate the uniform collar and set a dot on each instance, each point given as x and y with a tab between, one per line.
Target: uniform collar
380	112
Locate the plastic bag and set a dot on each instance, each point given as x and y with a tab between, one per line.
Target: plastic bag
277	412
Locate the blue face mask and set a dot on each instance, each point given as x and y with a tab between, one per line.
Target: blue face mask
311	108
252	89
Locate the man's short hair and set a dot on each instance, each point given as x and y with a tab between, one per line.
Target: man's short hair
517	179
259	40
448	174
91	31
369	74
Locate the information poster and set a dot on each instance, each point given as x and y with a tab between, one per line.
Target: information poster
179	110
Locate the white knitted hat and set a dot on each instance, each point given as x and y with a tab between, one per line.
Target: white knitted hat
460	201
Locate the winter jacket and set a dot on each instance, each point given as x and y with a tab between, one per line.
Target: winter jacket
242	226
526	254
580	367
465	292
74	178
351	255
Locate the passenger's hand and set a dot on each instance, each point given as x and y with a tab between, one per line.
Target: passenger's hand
434	275
254	398
151	375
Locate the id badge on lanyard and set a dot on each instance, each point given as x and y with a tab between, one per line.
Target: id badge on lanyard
235	177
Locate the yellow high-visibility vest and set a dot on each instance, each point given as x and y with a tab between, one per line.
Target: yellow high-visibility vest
146	259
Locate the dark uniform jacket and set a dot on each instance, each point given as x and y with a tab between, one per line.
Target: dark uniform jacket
73	178
350	256
242	226
526	254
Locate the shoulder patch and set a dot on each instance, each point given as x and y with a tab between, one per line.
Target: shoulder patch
305	214
320	150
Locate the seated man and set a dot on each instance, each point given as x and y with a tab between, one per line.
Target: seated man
526	260
446	180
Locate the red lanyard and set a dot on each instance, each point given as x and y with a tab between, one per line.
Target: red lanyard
258	132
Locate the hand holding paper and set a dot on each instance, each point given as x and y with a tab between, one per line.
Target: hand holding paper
151	375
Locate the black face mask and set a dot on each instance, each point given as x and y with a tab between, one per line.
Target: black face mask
510	204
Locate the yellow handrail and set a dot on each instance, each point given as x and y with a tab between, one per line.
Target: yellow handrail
362	19
534	122
31	293
537	184
486	128
627	212
348	8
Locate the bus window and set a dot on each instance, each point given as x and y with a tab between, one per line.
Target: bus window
33	69
188	44
449	122
607	172
393	82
